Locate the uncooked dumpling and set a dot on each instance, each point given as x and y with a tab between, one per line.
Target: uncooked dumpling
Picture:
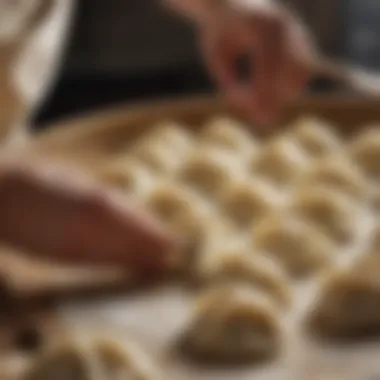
179	208
336	173
127	175
348	304
209	170
315	136
365	151
281	162
123	361
156	157
328	210
229	134
246	202
72	361
173	137
297	246
235	262
232	325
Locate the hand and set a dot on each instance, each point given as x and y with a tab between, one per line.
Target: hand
277	47
60	214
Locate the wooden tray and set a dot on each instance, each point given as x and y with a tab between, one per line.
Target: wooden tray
91	140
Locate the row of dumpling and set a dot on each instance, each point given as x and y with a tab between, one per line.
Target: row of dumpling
212	172
91	358
233	323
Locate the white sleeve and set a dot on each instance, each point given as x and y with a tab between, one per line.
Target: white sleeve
32	39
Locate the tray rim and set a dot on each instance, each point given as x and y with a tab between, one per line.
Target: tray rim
144	111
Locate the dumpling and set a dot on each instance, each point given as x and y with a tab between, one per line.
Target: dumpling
156	157
348	303
235	262
315	136
246	202
209	170
124	361
338	174
328	210
72	361
281	162
92	359
173	137
229	134
179	208
232	325
127	175
294	244
365	151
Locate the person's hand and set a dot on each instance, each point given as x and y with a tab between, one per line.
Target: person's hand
274	41
62	215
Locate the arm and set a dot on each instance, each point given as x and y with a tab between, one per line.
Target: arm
57	213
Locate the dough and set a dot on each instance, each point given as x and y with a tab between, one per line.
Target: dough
172	136
328	210
127	175
209	170
74	361
180	208
236	262
229	134
336	173
246	202
156	157
232	325
315	136
297	246
280	161
92	359
123	361
365	151
348	303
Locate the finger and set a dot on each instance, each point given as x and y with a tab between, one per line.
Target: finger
220	58
269	60
296	71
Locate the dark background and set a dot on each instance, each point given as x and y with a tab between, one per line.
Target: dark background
128	50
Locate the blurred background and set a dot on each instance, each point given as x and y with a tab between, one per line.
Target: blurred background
127	50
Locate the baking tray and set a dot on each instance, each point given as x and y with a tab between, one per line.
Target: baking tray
154	316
